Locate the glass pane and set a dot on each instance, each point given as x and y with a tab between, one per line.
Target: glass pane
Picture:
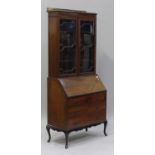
86	46
67	46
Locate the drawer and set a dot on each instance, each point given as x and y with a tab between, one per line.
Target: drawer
85	110
82	99
86	119
98	98
80	108
89	103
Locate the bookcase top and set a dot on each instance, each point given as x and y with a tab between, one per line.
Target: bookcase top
67	10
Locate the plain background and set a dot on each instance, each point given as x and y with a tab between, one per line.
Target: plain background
105	44
20	80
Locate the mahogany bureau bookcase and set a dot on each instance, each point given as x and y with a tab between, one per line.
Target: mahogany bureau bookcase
76	95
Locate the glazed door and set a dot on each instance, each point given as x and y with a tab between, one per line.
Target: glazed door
87	45
68	39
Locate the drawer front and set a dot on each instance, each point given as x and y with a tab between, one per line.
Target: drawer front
86	110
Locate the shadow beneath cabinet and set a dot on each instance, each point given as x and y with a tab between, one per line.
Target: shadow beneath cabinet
75	138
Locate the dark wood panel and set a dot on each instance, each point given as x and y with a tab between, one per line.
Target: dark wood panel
53	47
86	119
56	104
86	109
81	85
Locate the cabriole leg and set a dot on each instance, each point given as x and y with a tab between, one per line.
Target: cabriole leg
49	134
66	137
105	127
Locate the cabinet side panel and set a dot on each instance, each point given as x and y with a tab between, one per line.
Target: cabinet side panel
56	104
53	46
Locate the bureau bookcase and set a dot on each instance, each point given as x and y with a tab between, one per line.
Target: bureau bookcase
76	95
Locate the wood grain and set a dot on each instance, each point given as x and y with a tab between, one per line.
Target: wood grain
85	110
56	104
81	85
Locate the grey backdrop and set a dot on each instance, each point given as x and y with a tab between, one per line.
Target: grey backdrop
105	44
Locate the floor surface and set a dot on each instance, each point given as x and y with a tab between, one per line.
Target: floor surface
81	142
